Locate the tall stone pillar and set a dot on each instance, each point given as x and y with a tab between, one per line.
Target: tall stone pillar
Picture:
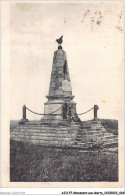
60	90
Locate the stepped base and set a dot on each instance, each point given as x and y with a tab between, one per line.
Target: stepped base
43	134
92	134
62	133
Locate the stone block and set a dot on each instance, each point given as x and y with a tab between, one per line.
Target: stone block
52	84
56	142
52	108
59	68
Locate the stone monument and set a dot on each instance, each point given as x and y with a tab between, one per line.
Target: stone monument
60	96
60	126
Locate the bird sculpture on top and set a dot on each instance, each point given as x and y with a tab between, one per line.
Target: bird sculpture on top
59	41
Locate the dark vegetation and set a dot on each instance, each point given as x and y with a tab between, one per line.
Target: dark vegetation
13	124
34	163
110	125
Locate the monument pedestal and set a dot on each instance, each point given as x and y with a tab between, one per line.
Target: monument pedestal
57	111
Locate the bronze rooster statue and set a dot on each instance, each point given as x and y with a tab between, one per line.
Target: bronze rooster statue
59	41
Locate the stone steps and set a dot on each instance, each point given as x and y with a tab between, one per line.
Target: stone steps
49	139
43	137
90	144
94	132
58	144
74	135
102	139
46	135
68	130
110	144
109	140
48	142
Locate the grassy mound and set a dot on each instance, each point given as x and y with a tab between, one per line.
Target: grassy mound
32	163
110	125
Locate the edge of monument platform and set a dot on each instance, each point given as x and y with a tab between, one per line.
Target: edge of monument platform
56	121
59	97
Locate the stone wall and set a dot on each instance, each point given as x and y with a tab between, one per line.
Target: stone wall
45	135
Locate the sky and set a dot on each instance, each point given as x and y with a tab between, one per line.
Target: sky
93	41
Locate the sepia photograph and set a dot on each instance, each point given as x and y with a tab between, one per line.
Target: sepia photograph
62	93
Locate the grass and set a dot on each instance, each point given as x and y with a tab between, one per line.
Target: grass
110	125
33	163
13	124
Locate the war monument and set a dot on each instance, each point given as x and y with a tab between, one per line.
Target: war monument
60	125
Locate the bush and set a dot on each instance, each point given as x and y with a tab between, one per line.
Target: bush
110	125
